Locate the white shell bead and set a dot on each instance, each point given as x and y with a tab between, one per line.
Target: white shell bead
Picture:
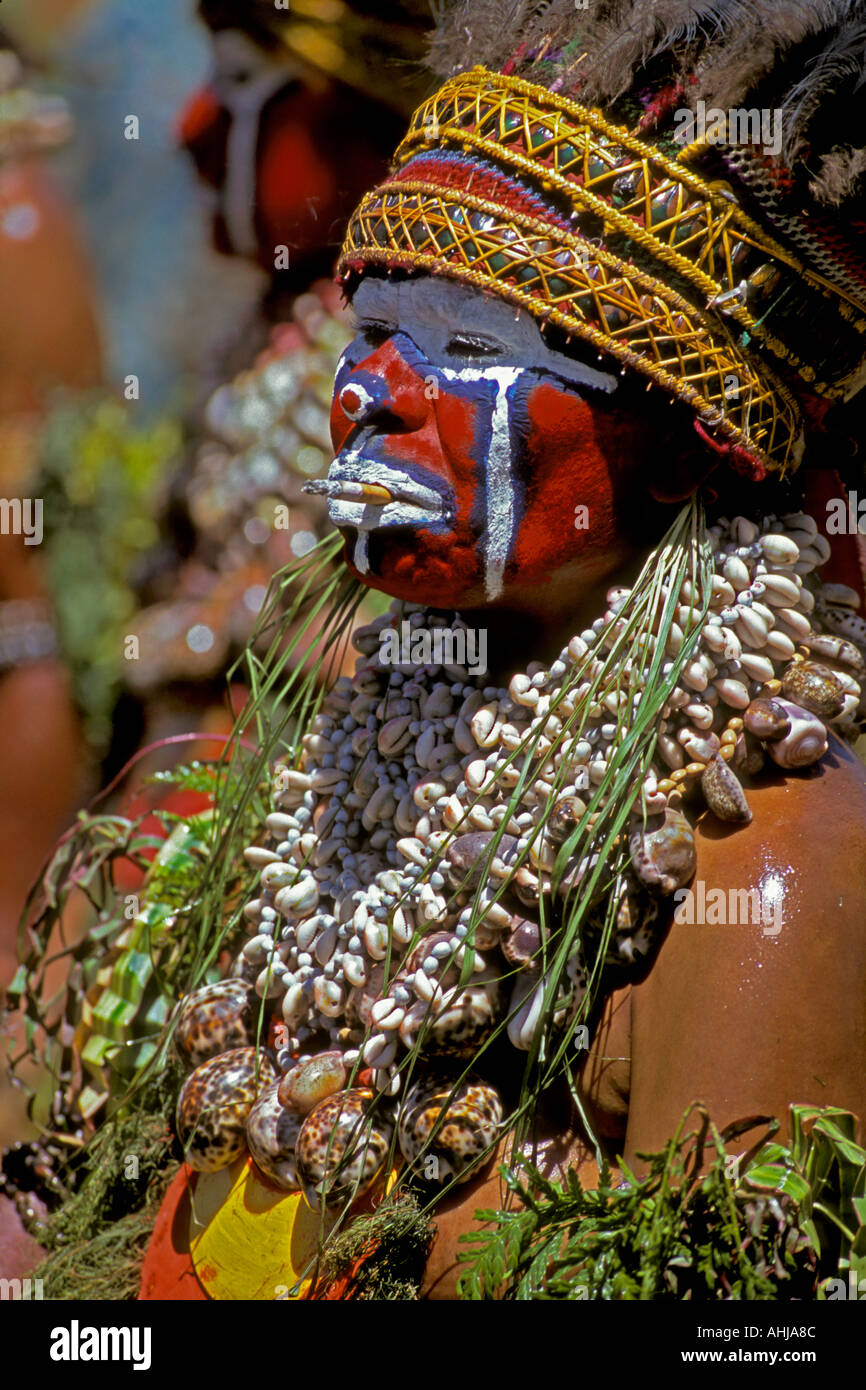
412	849
405	816
745	531
330	997
780	590
759	668
713	636
299	899
477	774
295	1005
387	1014
750	628
402	927
737	572
780	550
379	1051
723	592
326	944
694	676
701	715
779	646
277	875
522	691
485	723
798	624
354	970
733	692
260	857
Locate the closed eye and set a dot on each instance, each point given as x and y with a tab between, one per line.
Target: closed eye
374	330
470	345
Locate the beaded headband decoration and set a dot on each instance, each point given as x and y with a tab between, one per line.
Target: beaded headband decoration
507	186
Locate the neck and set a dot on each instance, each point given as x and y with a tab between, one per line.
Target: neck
538	624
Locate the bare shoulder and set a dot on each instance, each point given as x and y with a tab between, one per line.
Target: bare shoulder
806	842
799	809
750	1009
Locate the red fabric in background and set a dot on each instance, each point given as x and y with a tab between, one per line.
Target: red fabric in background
847	563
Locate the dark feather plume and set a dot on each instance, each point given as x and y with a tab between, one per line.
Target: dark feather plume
805	58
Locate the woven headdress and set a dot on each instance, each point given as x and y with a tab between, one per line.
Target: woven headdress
660	181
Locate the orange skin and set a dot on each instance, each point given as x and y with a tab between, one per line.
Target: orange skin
745	1022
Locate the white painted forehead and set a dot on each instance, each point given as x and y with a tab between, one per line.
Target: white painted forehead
434	309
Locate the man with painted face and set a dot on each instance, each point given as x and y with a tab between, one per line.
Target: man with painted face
522	476
529	271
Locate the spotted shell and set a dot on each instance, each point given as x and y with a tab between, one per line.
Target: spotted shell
723	793
521	944
466	1119
748	759
272	1136
527	1014
458	1028
564	818
447	974
663	856
839	650
313	1081
341	1149
215	1019
214	1103
814	687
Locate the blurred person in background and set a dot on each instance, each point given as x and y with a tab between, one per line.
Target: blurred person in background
289	129
49	341
297	117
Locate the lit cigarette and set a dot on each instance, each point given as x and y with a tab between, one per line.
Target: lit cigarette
350	491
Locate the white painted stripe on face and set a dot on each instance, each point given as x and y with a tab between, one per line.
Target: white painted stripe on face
361	556
500	473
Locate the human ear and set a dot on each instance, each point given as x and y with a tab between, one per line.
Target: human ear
680	464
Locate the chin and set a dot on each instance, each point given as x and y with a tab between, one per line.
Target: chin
418	568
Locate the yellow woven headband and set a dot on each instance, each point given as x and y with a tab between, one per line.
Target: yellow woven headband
625	248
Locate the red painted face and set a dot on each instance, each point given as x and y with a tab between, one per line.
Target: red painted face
468	471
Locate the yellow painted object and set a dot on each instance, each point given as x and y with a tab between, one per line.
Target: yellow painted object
249	1241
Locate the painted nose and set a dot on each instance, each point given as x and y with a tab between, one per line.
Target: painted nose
359	402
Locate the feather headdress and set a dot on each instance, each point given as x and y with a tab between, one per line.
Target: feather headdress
805	58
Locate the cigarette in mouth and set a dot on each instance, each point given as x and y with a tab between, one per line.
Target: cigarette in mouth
350	491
